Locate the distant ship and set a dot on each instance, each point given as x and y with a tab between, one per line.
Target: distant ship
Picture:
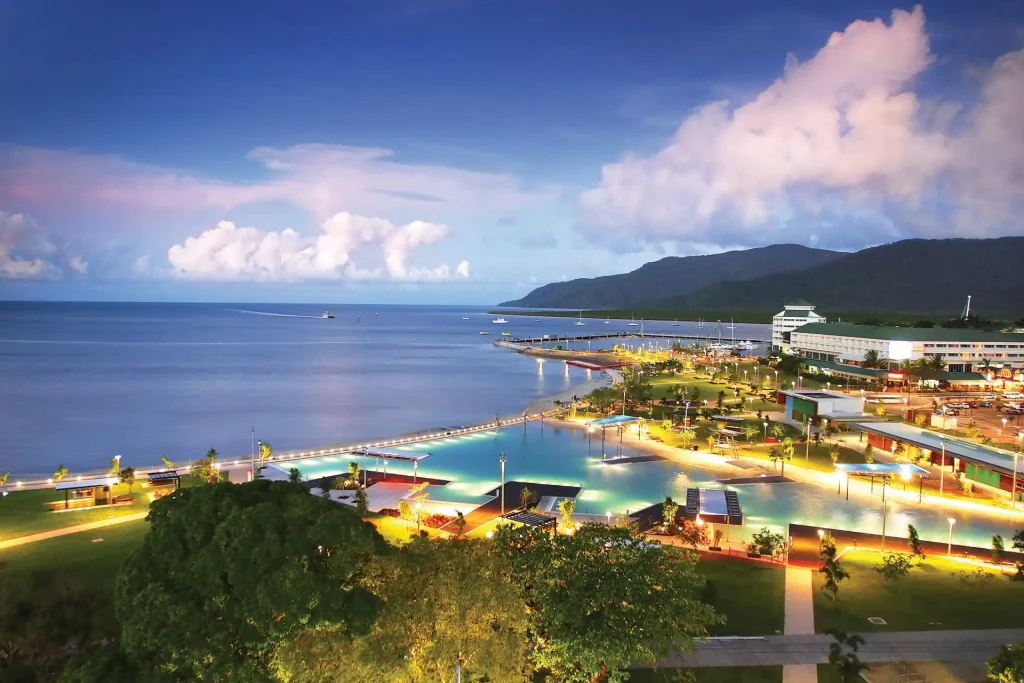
327	314
499	321
675	323
580	323
465	316
486	333
632	322
506	334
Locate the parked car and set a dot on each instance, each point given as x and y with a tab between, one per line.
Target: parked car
985	404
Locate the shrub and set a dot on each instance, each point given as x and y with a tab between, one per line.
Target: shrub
390	512
436	520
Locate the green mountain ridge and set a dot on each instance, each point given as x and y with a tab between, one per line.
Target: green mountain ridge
916	276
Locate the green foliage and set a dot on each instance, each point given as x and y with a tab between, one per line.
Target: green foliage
1008	665
603	598
998	549
880	410
831	568
687	436
294	476
869	454
767	544
61	472
669	510
107	664
205	469
113	465
750	431
525	496
460	523
915	542
361	502
842	654
894	566
266	450
40	619
566	507
4	477
833	452
167	462
405	510
127	476
229	572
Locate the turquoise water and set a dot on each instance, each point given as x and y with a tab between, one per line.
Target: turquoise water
563	455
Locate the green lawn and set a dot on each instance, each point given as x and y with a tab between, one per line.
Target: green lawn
739	674
929	598
80	557
751	595
24	512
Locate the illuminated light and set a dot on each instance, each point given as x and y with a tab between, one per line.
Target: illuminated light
951	521
821	533
490	534
79	477
49	481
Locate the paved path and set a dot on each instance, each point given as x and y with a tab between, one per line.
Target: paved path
799	621
23	540
899	646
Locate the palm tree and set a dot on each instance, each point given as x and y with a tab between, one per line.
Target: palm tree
909	369
831	569
168	464
3	479
787	452
777	430
936	364
265	452
60	473
353	475
842	654
872	359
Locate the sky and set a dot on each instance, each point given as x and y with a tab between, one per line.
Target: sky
467	151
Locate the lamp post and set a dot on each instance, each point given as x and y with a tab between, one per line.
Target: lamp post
776	380
502	459
765	424
1013	490
906	402
942	466
949	546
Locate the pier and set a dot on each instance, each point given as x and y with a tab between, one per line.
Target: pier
521	342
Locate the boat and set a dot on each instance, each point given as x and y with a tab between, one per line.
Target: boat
485	333
465	316
499	321
326	314
675	323
580	323
607	321
506	334
746	346
536	320
632	322
359	317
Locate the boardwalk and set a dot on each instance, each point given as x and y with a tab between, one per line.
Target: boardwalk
550	338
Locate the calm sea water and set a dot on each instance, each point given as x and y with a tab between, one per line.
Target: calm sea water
83	382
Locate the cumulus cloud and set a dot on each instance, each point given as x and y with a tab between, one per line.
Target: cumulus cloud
231	253
837	138
27	253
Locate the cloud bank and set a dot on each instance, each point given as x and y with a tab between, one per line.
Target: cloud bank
839	149
27	253
230	253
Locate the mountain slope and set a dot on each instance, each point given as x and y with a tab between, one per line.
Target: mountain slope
673	276
911	276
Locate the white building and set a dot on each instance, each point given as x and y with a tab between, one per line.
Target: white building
795	315
962	350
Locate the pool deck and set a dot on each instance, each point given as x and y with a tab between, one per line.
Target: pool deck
491	510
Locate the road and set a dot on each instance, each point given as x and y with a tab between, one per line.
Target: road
900	646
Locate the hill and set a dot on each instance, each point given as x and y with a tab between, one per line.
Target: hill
911	276
673	276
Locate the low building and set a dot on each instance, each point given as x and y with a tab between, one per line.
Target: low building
805	405
792	316
961	350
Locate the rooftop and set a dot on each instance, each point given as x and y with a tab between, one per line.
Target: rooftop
881	468
70	484
799	313
930	334
843	367
799	302
993	458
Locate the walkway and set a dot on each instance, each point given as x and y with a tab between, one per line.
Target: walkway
491	510
810	650
23	540
799	621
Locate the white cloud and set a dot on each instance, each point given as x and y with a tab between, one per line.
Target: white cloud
230	253
837	138
26	252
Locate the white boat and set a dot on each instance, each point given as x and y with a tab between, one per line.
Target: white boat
487	333
675	323
746	346
580	323
326	315
632	322
465	316
607	321
499	321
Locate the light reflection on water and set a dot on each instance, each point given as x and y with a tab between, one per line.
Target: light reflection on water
561	455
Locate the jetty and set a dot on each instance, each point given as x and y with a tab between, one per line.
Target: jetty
522	342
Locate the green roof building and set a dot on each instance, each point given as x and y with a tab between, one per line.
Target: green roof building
793	315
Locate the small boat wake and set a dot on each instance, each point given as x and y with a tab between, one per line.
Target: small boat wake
277	315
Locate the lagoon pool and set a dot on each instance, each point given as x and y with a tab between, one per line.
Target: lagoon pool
564	455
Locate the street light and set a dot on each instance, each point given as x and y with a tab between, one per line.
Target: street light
765	431
906	401
502	459
949	547
942	466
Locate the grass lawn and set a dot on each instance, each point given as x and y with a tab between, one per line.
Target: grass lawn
24	512
78	556
816	458
751	595
929	598
738	674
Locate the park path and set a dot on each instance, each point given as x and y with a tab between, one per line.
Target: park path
64	531
897	646
799	621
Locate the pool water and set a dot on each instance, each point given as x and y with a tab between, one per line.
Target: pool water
563	455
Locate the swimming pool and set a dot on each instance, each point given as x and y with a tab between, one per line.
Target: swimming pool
570	455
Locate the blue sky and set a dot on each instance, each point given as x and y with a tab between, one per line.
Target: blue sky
461	151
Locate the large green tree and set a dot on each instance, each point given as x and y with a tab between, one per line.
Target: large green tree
228	572
603	598
446	604
1008	665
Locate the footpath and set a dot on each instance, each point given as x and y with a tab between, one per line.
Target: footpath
55	533
799	621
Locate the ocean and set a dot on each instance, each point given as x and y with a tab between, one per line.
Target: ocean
81	382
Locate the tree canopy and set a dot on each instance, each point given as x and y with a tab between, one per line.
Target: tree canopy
603	598
228	572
